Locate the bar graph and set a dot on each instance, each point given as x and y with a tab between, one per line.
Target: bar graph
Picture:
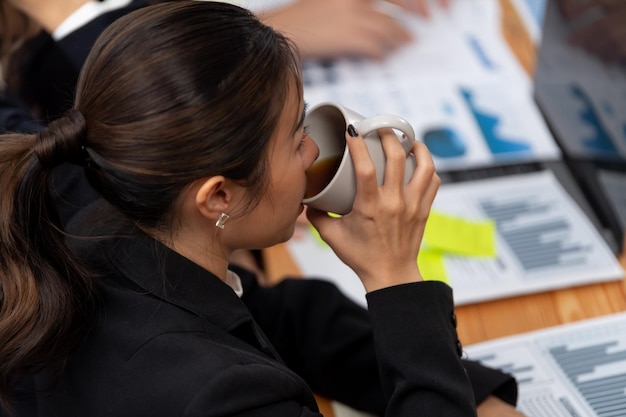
573	370
599	373
544	242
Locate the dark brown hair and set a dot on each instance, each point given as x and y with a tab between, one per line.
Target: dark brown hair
169	94
15	29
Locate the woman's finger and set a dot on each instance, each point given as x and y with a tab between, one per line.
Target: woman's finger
424	170
396	159
365	171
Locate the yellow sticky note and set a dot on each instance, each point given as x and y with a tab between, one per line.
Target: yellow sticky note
455	235
316	235
432	266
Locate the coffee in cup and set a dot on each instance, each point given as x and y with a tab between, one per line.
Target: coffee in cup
331	179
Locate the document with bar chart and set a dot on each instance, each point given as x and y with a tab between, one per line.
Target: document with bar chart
544	241
458	84
573	370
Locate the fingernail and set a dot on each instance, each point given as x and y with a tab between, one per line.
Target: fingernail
352	131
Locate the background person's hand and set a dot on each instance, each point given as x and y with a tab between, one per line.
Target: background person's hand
335	28
421	7
604	37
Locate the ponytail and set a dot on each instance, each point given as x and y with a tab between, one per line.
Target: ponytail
45	295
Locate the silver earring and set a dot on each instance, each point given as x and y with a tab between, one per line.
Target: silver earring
221	221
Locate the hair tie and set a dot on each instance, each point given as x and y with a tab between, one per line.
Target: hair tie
63	141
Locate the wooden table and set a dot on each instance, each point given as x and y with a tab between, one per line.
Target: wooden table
508	316
504	317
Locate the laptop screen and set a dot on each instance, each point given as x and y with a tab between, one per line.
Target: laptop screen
582	96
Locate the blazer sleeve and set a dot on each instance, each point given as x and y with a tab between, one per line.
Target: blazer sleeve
327	339
322	336
419	352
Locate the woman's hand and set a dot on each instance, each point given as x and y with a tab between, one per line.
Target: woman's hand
493	406
380	238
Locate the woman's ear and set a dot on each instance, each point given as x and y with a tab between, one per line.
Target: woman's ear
212	197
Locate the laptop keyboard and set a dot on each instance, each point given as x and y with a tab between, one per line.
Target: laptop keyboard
490	172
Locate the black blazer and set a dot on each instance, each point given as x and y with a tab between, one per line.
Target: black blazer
321	335
327	339
171	339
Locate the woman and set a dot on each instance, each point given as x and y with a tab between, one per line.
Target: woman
188	121
337	331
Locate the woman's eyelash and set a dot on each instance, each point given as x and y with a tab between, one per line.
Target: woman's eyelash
305	133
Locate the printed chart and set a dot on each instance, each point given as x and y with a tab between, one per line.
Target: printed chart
458	84
574	370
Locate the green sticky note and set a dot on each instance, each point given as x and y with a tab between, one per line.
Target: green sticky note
432	266
459	236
